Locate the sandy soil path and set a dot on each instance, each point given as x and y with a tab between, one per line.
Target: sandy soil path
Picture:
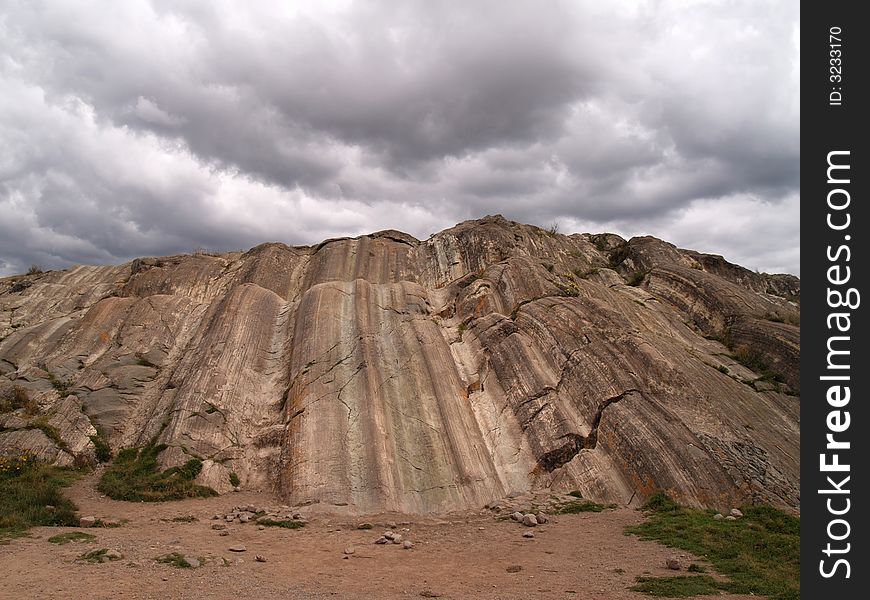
468	555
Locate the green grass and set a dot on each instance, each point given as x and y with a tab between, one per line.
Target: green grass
71	536
63	386
636	279
572	508
96	556
682	586
759	553
176	560
234	479
134	476
102	451
284	524
27	489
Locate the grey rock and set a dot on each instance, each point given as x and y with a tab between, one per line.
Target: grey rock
191	562
237	548
407	544
89	521
529	520
517	516
349	550
673	564
381	540
260	558
730	518
736	513
528	534
718	516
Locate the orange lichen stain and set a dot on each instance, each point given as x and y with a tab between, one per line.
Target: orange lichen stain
104	336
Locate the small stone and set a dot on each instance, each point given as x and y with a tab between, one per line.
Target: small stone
529	520
381	540
87	521
481	528
541	518
365	526
261	527
514	569
349	550
111	523
730	518
392	525
673	564
736	513
49	507
229	518
397	538
112	554
718	517
407	544
224	533
215	517
218	526
298	516
238	548
191	562
244	518
237	489
528	534
259	558
390	535
517	516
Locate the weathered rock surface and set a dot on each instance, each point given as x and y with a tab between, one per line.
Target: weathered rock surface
386	373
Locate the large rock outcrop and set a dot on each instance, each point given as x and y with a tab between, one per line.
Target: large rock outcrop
388	373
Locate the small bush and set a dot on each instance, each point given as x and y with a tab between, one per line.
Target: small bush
723	369
637	278
696	568
102	450
34	270
234	479
661	502
134	476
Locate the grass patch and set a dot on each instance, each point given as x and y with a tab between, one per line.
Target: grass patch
71	536
760	552
696	568
573	508
15	397
134	476
176	560
234	479
102	450
682	586
96	556
284	524
63	386
723	369
30	495
181	519
755	362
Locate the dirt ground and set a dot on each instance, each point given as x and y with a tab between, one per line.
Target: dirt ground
468	555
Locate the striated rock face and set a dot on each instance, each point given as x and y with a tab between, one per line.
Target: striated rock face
387	373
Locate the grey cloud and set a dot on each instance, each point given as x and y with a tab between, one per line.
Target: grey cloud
151	127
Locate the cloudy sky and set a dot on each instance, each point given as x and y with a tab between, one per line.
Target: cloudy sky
151	127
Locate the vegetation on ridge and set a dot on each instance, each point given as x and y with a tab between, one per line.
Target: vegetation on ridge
134	476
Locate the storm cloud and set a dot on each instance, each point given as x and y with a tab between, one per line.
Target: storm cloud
147	128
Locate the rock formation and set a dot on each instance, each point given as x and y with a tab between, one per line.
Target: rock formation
388	373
